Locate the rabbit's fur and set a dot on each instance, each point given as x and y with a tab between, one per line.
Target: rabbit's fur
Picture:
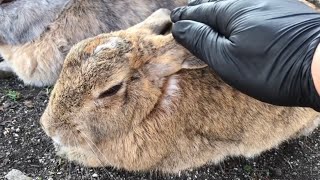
137	100
35	36
23	20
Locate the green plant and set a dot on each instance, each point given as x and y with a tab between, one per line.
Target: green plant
13	95
49	90
247	168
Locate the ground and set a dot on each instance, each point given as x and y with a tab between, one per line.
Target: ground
24	146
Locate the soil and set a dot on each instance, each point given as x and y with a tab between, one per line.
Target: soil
24	146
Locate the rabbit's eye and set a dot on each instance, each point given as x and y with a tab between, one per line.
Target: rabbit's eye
111	91
135	77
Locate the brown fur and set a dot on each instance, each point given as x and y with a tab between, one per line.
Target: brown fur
39	62
169	115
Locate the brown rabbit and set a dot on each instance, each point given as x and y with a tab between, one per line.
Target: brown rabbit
35	39
137	100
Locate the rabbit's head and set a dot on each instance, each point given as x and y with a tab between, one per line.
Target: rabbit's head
110	83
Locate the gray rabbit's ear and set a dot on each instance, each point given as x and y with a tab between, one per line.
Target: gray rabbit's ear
157	23
171	62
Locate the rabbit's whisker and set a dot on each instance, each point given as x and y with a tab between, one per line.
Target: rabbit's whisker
77	144
86	137
58	123
97	156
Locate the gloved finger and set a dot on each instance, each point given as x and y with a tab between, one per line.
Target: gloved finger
197	2
212	14
201	40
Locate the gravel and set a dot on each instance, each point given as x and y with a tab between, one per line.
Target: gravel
15	174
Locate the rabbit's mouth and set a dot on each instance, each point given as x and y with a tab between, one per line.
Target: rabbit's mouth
80	155
56	140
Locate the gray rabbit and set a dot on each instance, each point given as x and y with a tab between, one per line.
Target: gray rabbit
35	36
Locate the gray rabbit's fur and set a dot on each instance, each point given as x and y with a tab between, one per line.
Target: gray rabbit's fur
35	36
24	20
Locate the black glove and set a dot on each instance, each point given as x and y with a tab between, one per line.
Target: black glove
264	48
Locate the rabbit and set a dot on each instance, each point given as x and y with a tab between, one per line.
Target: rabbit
312	3
35	36
136	100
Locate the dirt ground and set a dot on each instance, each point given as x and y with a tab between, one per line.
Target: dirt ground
24	146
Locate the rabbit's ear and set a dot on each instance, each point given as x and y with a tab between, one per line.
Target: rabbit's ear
157	23
171	62
193	63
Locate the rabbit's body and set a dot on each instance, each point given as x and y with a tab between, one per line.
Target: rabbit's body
34	43
139	101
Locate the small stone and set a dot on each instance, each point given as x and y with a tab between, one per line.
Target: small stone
6	105
15	174
29	104
15	135
41	161
59	173
95	175
5	133
278	172
18	130
50	178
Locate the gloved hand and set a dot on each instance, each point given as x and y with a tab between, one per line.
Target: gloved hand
263	48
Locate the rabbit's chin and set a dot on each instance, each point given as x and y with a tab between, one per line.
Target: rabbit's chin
87	157
80	156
